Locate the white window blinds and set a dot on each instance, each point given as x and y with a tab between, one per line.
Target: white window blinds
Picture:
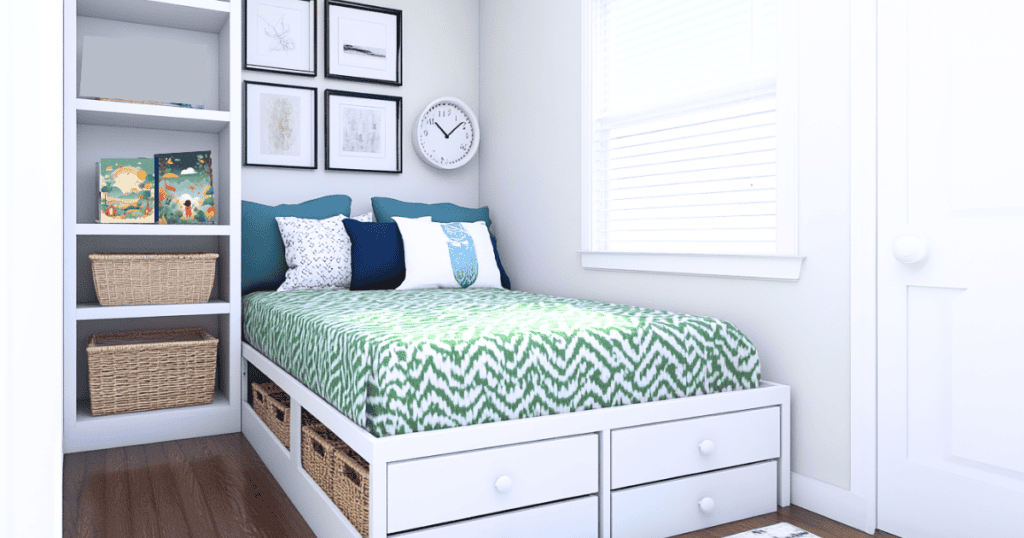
683	126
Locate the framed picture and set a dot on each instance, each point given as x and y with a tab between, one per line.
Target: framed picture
280	36
280	125
363	43
364	132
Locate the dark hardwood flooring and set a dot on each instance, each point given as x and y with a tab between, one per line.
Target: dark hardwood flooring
217	487
210	487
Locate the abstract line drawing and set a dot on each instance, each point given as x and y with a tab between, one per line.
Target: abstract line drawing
279	34
362	130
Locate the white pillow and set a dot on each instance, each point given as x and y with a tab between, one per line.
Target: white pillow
318	253
447	255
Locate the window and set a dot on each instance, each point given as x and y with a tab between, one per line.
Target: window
687	122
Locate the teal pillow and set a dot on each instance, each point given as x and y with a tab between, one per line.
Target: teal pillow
263	265
386	208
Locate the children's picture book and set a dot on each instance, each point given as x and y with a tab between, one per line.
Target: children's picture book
127	191
185	188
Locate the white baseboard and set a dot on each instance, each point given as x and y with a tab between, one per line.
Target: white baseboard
832	502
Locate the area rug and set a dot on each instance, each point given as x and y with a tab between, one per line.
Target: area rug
778	530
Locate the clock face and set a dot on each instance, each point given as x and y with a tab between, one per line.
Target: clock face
446	136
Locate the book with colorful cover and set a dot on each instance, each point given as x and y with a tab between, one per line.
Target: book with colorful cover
185	188
127	191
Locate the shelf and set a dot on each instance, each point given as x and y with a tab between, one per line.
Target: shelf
95	433
153	229
196	15
171	118
85	415
87	311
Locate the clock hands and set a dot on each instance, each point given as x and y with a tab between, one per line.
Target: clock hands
442	130
449	133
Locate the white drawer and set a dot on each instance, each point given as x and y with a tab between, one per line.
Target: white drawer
458	486
673	507
568	519
650	453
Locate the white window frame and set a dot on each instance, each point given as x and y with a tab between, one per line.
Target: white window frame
786	264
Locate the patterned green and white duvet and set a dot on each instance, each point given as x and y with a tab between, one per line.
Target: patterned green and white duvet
400	362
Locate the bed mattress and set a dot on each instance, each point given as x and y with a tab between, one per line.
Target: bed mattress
409	361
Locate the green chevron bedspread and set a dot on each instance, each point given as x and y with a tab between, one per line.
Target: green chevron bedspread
408	361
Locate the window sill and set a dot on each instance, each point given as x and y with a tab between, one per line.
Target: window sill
786	268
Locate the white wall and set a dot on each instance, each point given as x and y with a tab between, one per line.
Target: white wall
31	123
441	57
530	177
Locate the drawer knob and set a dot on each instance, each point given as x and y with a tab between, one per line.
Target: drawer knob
706	447
707	505
503	484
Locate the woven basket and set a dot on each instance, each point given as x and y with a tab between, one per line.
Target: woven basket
339	471
351	485
137	279
147	370
273	406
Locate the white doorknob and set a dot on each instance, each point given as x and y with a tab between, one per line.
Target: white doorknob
706	447
503	484
909	248
707	505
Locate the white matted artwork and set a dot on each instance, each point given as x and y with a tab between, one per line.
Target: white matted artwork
363	131
280	36
363	43
280	126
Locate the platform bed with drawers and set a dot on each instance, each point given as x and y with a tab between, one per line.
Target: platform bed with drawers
646	470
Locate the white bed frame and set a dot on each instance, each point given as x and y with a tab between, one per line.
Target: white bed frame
327	521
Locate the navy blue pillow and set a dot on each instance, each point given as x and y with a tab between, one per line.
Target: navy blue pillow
505	283
263	265
378	255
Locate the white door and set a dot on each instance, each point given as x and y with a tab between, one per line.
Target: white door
951	326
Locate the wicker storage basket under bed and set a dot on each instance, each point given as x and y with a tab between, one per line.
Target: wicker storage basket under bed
339	471
273	406
147	370
159	278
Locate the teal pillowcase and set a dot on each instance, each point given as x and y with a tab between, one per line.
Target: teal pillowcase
263	265
386	208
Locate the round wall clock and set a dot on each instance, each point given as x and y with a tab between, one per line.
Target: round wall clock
447	134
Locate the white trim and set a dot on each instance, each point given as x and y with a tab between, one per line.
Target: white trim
863	266
586	122
830	501
723	265
787	98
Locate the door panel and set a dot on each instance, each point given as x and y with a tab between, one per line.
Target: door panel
951	357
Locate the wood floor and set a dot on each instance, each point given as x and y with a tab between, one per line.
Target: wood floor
217	487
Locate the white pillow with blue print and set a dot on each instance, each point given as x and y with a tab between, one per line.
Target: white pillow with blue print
447	255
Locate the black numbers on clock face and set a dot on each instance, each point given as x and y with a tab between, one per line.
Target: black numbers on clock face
446	135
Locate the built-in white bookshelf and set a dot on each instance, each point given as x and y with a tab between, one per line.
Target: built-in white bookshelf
101	129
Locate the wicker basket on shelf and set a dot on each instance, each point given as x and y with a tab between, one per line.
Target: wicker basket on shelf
339	471
273	406
159	278
147	370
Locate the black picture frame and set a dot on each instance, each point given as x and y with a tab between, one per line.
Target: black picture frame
245	126
314	44
397	13
328	93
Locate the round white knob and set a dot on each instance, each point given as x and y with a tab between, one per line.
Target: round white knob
706	447
707	504
503	484
909	249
